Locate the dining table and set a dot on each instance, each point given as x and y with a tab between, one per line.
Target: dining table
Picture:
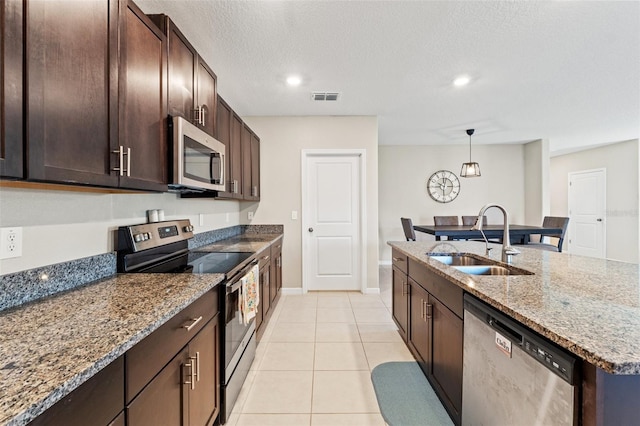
518	234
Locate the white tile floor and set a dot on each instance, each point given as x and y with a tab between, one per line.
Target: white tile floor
313	364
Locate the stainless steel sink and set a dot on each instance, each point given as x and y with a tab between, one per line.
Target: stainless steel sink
476	265
485	270
461	259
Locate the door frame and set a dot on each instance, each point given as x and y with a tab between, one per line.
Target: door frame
604	212
361	155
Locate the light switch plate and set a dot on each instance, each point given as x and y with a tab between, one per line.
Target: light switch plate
10	242
294	215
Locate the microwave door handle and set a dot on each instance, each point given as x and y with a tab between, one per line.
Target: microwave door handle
220	168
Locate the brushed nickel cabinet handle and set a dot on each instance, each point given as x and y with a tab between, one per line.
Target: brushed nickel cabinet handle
193	324
429	310
120	152
203	108
128	154
195	370
397	259
265	258
404	286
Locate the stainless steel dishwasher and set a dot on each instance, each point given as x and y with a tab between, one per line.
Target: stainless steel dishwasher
513	376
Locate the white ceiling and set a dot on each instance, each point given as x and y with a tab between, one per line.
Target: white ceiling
565	71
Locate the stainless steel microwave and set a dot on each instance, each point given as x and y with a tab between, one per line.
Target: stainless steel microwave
198	159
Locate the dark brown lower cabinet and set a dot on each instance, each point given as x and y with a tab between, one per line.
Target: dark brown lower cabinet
446	362
98	401
434	331
420	325
400	300
186	391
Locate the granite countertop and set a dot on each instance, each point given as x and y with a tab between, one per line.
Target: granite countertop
589	306
243	243
51	346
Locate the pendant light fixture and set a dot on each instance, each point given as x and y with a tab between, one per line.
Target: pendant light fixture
470	169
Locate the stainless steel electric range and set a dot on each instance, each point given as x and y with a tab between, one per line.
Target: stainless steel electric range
162	247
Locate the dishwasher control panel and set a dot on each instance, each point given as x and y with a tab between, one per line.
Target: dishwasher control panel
560	365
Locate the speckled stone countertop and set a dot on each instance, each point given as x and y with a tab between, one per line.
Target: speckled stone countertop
244	243
589	306
51	346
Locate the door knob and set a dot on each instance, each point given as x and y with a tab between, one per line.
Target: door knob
310	229
599	220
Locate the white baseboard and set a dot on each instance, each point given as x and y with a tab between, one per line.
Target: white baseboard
290	291
372	291
384	262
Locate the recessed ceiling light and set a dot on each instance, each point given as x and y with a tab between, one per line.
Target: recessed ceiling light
294	80
461	81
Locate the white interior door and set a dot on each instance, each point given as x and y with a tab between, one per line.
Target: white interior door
331	231
587	207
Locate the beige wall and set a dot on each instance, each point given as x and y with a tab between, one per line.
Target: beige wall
621	163
282	139
536	181
404	171
59	225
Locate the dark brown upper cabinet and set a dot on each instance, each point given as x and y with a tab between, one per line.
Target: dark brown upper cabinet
11	73
95	105
228	127
192	90
71	71
142	102
250	165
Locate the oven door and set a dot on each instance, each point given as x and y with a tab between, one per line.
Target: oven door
237	333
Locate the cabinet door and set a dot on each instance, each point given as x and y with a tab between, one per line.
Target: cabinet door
72	101
246	163
206	99
446	365
161	402
142	108
11	74
236	157
265	297
182	72
400	300
255	167
419	324
204	398
223	134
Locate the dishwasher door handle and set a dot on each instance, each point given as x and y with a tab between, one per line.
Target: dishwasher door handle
498	326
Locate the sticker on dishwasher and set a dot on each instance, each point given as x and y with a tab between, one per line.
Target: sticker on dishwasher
503	344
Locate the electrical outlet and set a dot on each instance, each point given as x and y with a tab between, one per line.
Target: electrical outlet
201	219
250	215
294	215
227	218
10	243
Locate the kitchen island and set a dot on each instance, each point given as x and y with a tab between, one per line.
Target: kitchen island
590	307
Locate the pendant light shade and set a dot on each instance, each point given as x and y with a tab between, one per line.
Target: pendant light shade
470	169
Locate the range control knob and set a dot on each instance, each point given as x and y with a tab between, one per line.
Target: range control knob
188	228
137	238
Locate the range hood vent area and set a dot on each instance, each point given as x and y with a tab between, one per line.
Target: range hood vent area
325	96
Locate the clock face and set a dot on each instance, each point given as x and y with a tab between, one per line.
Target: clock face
443	186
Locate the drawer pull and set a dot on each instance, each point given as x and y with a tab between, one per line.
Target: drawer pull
196	369
193	324
397	259
265	258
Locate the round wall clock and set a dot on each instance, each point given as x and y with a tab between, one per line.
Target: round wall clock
443	186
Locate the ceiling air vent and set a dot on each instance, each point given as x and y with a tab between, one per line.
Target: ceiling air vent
324	96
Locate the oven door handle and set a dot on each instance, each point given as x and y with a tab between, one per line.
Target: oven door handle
236	285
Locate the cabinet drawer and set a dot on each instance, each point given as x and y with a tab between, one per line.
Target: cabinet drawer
264	257
399	260
276	248
149	356
443	290
100	399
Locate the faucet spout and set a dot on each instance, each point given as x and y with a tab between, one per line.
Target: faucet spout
507	250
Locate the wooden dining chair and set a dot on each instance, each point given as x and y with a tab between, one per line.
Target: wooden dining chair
407	226
445	220
471	220
552	222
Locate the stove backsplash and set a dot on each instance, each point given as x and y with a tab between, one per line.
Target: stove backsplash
26	286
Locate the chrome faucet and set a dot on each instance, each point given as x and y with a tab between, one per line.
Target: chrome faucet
507	251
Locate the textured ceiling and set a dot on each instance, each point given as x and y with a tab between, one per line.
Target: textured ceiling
565	71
